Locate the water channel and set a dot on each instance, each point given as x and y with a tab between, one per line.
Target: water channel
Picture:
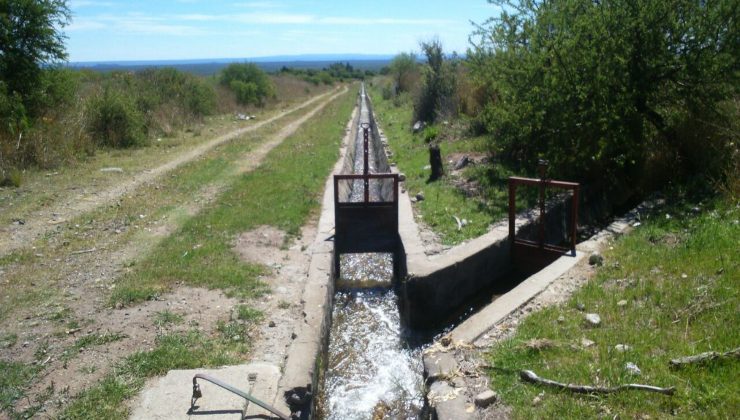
373	367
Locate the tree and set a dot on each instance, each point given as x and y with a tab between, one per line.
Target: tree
436	95
601	87
403	67
31	41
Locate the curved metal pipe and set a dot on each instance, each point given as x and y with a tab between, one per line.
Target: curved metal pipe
198	394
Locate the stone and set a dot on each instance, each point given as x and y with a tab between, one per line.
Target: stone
439	366
632	369
580	306
462	162
418	126
116	170
271	324
420	196
622	348
402	177
596	259
593	319
586	343
538	399
561	319
485	398
622	303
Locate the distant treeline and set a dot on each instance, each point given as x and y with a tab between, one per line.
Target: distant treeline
209	69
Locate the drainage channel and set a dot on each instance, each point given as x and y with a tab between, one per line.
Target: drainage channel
373	364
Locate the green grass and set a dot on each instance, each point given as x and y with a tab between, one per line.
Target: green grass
108	399
679	274
282	192
442	199
245	313
13	381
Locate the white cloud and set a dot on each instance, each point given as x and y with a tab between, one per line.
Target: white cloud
260	5
79	4
260	18
135	23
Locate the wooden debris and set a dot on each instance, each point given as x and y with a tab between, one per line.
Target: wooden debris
84	251
704	358
531	377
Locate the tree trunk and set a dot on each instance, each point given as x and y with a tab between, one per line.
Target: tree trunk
435	160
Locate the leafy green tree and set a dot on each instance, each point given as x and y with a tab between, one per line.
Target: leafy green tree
250	84
31	40
601	87
436	96
404	69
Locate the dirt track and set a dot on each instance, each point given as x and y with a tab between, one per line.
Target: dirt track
35	226
84	280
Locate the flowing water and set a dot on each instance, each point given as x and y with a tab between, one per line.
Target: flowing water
374	367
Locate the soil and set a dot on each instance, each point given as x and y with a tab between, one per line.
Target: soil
84	280
289	259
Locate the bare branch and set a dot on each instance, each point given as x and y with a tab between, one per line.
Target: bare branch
531	377
704	358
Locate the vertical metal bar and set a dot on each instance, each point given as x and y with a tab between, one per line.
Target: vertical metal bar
543	184
512	215
365	149
574	218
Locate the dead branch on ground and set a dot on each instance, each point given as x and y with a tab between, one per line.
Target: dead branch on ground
704	358
531	377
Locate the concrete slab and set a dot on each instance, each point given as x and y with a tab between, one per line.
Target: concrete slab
265	388
449	402
168	397
478	324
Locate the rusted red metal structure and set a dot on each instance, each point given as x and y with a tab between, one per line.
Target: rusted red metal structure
526	251
365	226
370	225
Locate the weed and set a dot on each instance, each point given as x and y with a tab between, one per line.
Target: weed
245	313
14	379
283	304
166	317
8	340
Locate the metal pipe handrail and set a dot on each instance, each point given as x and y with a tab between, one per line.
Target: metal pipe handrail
198	394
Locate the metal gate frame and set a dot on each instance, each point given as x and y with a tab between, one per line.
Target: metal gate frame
539	249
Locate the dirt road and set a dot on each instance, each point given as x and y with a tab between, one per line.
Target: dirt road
36	225
83	280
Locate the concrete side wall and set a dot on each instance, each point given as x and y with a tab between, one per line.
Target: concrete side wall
437	287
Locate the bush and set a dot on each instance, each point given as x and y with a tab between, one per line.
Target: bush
115	121
249	83
607	90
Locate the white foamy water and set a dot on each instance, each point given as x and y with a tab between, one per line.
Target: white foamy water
369	363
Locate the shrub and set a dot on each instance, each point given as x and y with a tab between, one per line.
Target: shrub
115	121
602	89
250	84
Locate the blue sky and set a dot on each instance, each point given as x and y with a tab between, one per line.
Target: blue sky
107	30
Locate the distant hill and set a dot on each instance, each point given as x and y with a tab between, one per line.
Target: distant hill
270	64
